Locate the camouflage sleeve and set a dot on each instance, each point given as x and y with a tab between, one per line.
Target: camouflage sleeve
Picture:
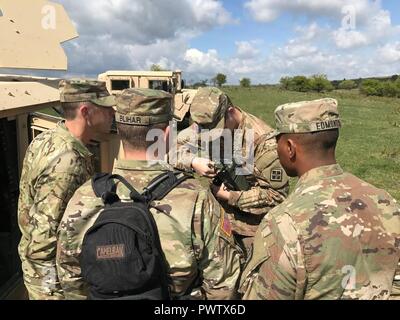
81	212
53	191
183	150
219	257
270	184
188	147
184	157
276	269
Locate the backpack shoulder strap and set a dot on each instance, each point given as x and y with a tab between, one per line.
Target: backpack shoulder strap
163	184
105	188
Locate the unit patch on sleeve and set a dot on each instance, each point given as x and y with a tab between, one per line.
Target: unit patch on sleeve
277	175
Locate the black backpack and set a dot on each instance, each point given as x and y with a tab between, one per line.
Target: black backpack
121	254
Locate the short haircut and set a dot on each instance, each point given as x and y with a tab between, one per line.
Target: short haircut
320	141
69	109
134	137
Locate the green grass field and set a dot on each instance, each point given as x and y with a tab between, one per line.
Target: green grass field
369	144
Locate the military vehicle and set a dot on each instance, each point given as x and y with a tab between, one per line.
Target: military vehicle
170	81
30	105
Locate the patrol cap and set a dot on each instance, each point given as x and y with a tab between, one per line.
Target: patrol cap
209	106
80	90
307	116
181	107
143	107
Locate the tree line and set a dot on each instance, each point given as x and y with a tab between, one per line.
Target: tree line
219	80
389	87
384	87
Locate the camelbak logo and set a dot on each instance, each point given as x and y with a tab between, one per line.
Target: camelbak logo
115	251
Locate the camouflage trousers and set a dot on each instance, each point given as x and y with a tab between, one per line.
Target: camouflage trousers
246	244
38	291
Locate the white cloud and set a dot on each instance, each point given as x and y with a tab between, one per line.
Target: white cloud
246	50
270	10
309	32
263	11
389	53
210	12
313	51
145	22
346	39
201	65
111	54
359	22
205	65
134	34
294	49
378	29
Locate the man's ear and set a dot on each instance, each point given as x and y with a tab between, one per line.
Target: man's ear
291	149
84	110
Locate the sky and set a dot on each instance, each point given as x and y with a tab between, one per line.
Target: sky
263	40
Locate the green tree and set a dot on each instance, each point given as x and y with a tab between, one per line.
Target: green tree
320	83
397	84
300	83
156	67
389	89
201	83
347	85
371	87
245	82
285	82
220	79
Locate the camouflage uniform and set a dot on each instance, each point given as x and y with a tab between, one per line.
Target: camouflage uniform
55	165
195	233
269	182
335	237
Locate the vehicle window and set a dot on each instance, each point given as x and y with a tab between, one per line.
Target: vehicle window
119	84
160	85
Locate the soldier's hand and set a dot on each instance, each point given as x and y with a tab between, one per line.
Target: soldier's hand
220	192
204	167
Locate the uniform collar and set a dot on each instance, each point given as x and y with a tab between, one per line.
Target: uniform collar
320	173
62	130
142	165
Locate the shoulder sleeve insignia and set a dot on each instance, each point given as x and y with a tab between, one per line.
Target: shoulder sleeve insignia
276	175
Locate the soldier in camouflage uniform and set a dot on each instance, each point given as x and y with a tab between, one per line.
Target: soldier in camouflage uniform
56	163
212	109
195	234
336	236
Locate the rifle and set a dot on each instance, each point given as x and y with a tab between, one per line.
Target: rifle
226	174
